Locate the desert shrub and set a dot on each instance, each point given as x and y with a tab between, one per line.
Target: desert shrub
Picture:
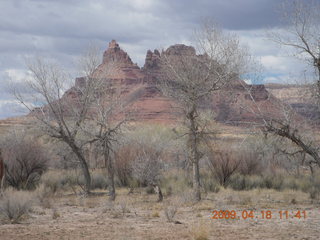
133	183
238	182
15	204
55	213
274	182
53	180
314	192
247	182
98	180
170	212
146	167
278	182
123	160
122	208
145	151
61	179
223	165
43	194
305	183
66	179
150	190
209	184
25	160
175	181
155	214
314	188
250	162
293	182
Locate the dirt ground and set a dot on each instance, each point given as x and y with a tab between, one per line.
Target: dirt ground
139	216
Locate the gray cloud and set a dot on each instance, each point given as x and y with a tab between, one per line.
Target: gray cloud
231	14
11	109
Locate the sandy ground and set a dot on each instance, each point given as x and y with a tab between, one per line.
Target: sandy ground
139	216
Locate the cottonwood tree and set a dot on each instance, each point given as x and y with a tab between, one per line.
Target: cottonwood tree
64	114
105	129
301	34
190	78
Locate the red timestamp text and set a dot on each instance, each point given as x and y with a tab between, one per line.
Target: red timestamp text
263	214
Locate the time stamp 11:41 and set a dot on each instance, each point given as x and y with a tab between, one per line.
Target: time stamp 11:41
264	214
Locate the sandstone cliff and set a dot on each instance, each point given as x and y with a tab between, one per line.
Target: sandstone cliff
232	105
141	97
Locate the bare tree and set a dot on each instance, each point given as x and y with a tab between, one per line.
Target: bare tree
64	114
191	78
301	34
106	129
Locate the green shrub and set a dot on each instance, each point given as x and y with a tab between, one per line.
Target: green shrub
175	181
209	183
306	184
150	190
53	180
241	182
98	180
314	190
64	179
238	182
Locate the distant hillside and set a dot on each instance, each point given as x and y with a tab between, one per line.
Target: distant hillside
298	96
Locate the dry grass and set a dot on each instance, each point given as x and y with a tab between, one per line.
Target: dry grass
55	214
140	216
200	231
170	212
15	205
155	214
44	195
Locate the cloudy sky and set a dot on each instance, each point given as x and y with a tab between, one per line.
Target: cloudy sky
63	29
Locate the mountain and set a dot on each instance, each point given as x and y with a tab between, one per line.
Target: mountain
138	86
232	105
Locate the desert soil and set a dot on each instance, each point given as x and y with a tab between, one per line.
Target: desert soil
139	216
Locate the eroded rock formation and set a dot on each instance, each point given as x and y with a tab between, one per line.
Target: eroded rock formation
141	97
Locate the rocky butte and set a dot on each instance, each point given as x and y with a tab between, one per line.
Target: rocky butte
141	97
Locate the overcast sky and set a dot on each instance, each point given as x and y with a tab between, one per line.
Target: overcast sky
63	29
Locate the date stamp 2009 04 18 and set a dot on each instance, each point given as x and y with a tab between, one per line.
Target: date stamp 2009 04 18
264	214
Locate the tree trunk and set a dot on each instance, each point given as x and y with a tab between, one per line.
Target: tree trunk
2	172
157	189
3	179
110	169
196	181
87	176
194	154
84	167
